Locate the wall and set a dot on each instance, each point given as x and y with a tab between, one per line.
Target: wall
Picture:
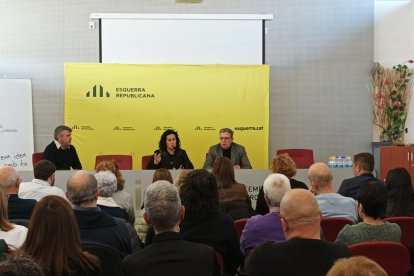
319	51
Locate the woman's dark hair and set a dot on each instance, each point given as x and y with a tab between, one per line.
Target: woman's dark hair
163	140
224	172
53	239
400	192
372	195
199	195
162	174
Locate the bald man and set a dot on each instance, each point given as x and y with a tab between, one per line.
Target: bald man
330	203
303	253
18	208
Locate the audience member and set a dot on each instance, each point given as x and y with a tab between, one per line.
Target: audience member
266	227
356	266
285	165
204	223
227	148
233	197
180	179
53	240
170	155
121	197
95	224
61	152
168	253
303	253
141	225
43	183
330	203
20	266
107	183
372	203
18	208
400	193
363	168
13	234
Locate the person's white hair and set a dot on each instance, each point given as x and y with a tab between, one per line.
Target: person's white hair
274	187
106	183
8	176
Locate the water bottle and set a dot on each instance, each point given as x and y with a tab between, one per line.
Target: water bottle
332	161
349	163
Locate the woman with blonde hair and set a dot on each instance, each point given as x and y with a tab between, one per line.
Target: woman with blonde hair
13	234
53	240
233	197
121	197
356	266
180	179
285	165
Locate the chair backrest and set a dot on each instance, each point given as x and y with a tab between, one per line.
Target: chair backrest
240	223
36	157
110	258
331	227
393	257
407	228
220	262
145	160
302	157
124	161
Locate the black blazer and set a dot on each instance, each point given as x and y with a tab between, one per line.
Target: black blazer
350	186
19	208
168	254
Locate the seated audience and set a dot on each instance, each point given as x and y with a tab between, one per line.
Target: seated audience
233	197
303	253
363	168
53	240
372	203
330	203
95	224
43	183
400	193
227	148
20	266
356	266
180	179
203	222
141	225
18	208
13	234
106	188
266	227
170	155
285	165
121	197
169	253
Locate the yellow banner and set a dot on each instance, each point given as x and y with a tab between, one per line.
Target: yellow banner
124	109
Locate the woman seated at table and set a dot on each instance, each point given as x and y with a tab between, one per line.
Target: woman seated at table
372	203
170	155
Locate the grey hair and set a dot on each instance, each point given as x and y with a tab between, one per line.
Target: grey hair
162	204
81	187
228	130
60	129
8	176
107	183
20	266
274	187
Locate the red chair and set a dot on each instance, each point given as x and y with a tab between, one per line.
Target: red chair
302	157
36	157
220	262
124	161
393	257
240	223
331	227
145	160
407	228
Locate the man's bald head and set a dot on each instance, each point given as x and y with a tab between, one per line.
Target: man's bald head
320	177
299	207
81	188
8	176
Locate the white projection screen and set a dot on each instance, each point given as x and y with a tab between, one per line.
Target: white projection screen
182	38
